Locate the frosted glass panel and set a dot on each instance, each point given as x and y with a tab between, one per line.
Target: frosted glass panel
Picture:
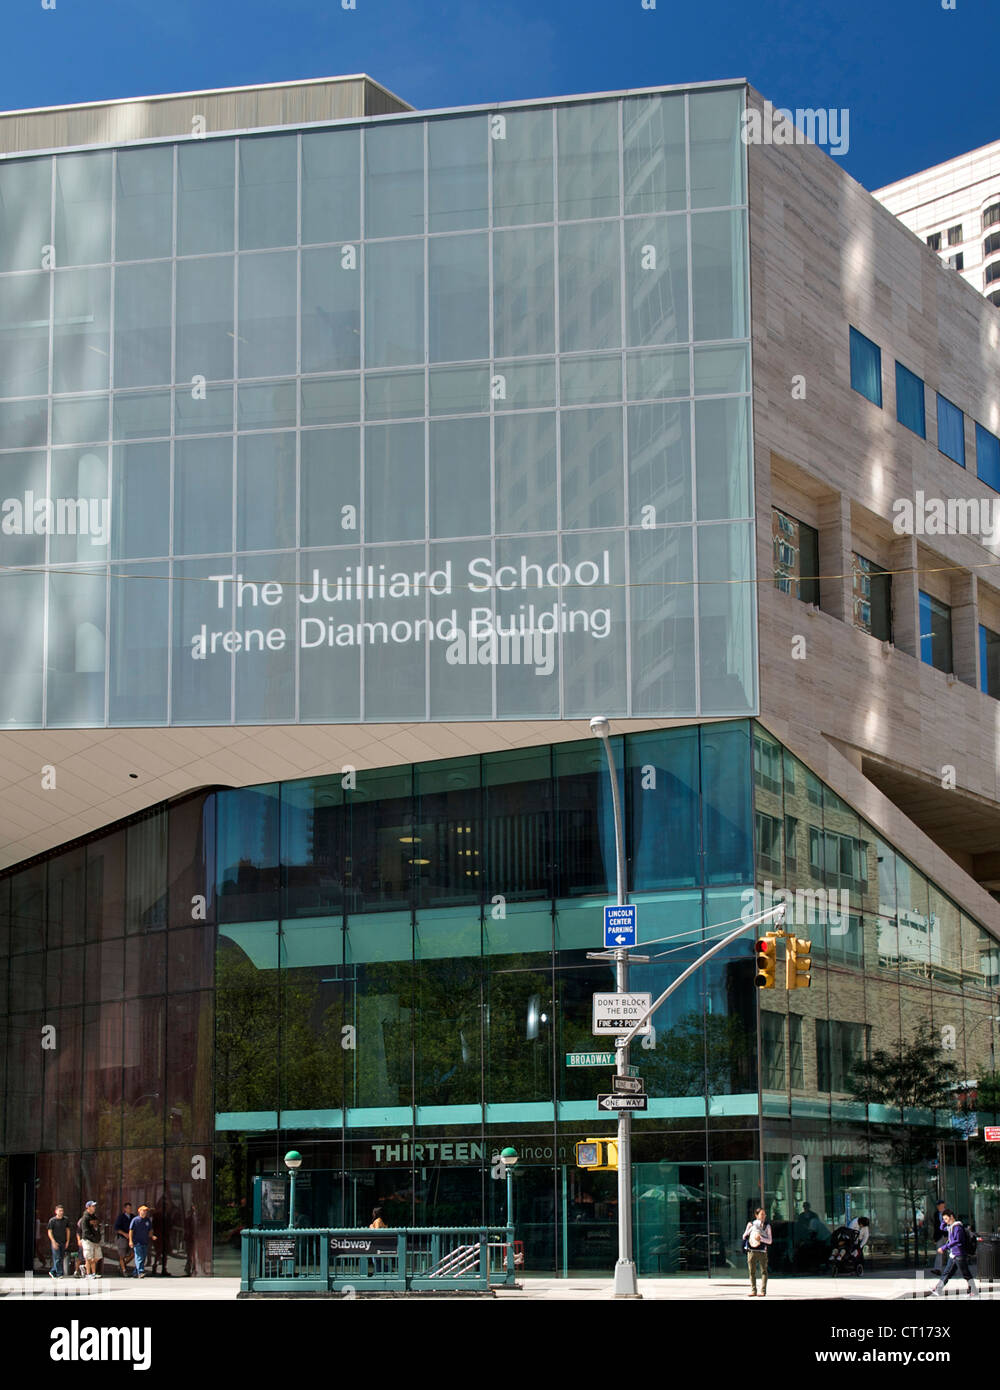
331	186
205	197
268	196
83	209
144	204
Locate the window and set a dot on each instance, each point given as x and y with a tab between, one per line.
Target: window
872	598
989	662
767	764
935	633
934	241
951	431
796	1071
796	557
866	367
910	400
987	457
991	216
838	1047
769	835
994	297
955	235
772	1034
791	830
991	244
957	262
992	272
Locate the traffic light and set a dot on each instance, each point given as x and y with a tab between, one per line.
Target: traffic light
797	963
597	1153
765	956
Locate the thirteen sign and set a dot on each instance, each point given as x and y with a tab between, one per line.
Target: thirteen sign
622	1102
616	1013
619	925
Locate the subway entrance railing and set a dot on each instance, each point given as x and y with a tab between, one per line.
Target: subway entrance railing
345	1259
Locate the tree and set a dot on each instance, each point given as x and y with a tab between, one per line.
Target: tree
916	1082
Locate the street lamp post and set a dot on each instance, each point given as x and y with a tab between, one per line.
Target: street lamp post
625	1278
293	1162
508	1157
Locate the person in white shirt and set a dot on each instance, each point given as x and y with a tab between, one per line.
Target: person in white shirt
756	1240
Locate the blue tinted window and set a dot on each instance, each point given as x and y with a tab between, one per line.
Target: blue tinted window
935	633
726	790
910	401
951	430
989	662
866	367
988	457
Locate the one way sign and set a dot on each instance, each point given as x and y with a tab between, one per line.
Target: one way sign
619	925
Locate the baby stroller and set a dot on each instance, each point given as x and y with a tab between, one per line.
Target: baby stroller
845	1252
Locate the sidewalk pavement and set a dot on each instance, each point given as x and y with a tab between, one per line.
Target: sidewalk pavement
878	1286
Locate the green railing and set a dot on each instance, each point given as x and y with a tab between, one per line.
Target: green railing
346	1259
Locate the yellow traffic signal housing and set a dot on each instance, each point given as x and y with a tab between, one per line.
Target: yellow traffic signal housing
797	963
597	1153
765	955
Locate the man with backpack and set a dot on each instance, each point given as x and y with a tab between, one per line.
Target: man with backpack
958	1250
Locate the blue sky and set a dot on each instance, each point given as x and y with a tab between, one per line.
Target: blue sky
918	80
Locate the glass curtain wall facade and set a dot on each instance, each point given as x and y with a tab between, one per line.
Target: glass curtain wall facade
296	426
390	976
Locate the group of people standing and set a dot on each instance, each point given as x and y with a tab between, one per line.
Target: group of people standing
133	1234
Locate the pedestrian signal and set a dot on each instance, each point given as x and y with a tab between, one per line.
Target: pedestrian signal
766	961
797	963
597	1153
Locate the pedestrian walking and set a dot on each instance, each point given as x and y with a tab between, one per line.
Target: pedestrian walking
756	1239
140	1233
88	1230
958	1251
122	1222
58	1229
939	1233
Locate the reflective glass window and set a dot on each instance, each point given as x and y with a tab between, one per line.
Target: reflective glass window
205	196
24	344
203	496
523	292
331	311
662	781
25	212
265	491
589	287
142	324
394	304
83	209
76	649
205	309
662	619
144	203
81	421
138	616
458	298
248	867
394	180
722	457
987	457
521	144
910	400
866	367
659	463
331	185
655	159
267	314
726	802
951	430
81	347
141	475
717	152
143	414
726	618
460	477
456	173
656	281
525	462
268	190
330	486
394	482
718	268
588	160
592	468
